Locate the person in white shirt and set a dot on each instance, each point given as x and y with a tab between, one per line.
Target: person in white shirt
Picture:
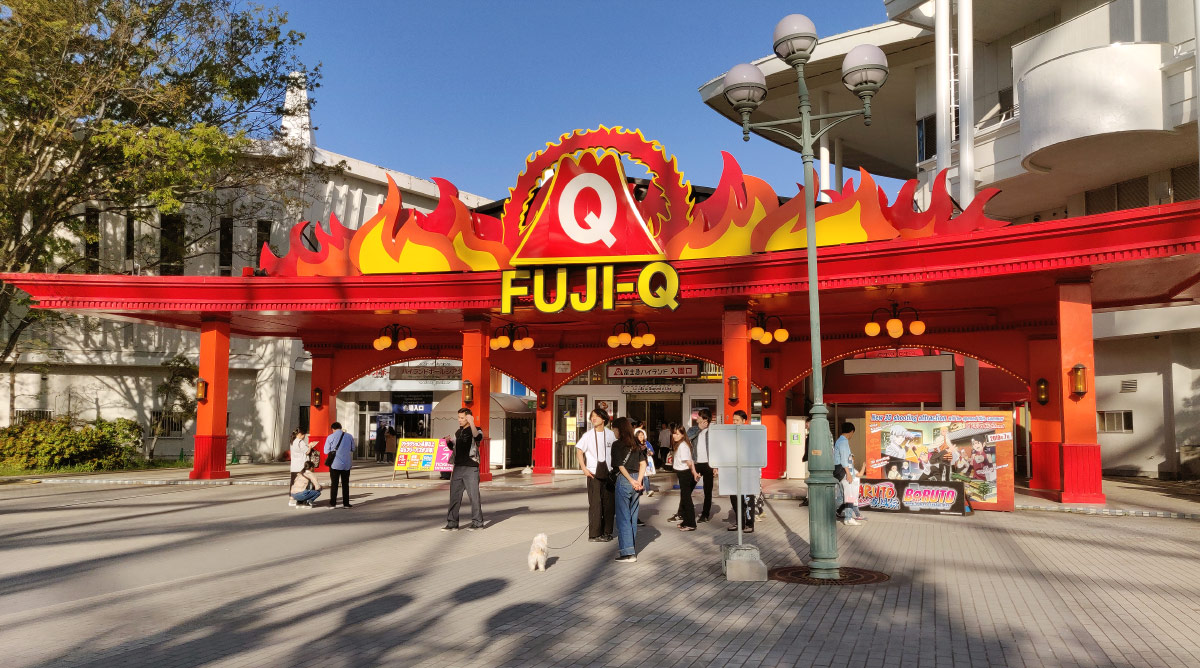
703	419
592	451
298	453
685	470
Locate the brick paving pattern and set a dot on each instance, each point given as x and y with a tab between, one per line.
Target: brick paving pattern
101	575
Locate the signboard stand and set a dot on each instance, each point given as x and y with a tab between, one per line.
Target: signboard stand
740	450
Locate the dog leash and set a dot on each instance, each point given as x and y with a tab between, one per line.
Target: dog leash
554	547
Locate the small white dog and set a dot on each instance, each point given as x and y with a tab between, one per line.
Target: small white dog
538	552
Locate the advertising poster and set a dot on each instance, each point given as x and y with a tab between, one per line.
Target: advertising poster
423	454
974	448
910	496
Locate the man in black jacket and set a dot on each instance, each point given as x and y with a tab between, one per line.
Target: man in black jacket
465	446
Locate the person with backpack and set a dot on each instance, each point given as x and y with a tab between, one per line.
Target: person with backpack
339	457
305	487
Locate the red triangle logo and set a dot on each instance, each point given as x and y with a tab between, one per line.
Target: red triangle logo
588	216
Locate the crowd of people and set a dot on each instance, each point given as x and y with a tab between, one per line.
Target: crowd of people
616	458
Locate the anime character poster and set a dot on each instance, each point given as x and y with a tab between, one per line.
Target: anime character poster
972	447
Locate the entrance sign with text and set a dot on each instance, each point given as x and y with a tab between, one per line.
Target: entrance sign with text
653	370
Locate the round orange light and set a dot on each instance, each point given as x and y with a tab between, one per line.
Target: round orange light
765	338
872	328
519	345
917	327
528	341
756	332
781	335
410	342
503	341
614	341
648	339
624	338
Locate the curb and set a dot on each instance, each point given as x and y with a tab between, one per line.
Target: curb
1112	512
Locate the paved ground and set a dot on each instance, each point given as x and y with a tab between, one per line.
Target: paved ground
229	576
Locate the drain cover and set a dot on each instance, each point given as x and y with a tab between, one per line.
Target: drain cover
850	576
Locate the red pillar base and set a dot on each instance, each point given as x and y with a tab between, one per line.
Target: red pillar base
485	467
543	456
1046	465
1082	481
208	460
776	460
318	442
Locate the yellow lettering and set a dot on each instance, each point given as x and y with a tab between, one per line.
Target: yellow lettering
609	294
664	296
587	301
508	291
560	291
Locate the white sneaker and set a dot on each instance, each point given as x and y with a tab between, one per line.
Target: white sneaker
291	503
851	522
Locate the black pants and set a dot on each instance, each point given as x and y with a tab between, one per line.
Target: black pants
601	510
747	510
706	476
336	475
687	509
465	479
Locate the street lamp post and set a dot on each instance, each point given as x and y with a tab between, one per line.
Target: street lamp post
864	71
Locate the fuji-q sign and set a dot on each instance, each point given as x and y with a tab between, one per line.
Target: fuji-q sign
587	216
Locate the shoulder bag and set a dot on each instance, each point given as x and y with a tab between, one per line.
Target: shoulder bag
601	465
333	453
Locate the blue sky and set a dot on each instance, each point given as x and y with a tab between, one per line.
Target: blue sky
467	90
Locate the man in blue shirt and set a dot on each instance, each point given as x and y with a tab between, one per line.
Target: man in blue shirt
342	444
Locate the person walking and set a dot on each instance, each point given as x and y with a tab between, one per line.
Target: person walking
630	459
298	455
380	443
592	453
341	445
685	470
664	442
748	503
305	488
465	446
703	419
389	445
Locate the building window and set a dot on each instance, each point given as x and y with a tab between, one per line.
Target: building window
170	245
1008	109
262	237
1130	194
91	240
25	415
172	426
1185	183
225	247
130	238
1114	422
926	138
303	419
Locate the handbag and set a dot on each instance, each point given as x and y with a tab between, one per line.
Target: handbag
333	453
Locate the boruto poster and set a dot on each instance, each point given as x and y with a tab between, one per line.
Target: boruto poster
972	447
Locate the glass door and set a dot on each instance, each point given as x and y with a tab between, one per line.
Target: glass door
570	421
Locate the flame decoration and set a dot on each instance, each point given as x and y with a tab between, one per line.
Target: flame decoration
743	216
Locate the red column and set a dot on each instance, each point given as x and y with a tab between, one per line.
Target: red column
322	404
543	444
1045	422
774	418
1081	473
208	462
477	370
735	345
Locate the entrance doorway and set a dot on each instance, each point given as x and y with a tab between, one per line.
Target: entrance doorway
654	410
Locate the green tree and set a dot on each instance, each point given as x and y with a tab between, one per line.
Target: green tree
140	107
175	399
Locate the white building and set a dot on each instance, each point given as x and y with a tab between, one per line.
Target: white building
109	369
1078	107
